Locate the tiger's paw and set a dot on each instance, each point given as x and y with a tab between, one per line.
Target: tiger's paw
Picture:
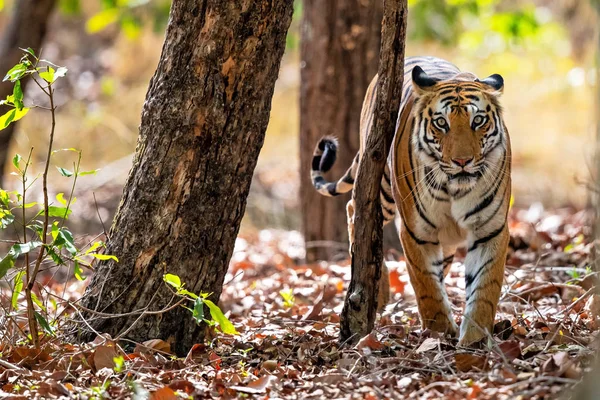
443	323
471	334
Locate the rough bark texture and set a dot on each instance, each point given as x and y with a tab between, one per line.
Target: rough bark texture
358	315
26	28
203	125
340	45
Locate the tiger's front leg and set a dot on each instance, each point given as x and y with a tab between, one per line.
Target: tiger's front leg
484	274
425	261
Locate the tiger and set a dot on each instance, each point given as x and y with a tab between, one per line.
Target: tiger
449	177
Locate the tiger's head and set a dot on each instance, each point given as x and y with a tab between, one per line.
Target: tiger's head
458	126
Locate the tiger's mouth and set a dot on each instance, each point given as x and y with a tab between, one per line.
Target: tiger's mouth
463	176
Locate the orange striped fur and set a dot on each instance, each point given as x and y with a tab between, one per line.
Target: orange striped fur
449	177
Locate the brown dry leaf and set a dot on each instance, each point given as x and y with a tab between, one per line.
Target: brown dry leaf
103	357
257	386
164	393
29	357
182	385
153	344
467	361
369	342
314	311
428	344
511	349
196	353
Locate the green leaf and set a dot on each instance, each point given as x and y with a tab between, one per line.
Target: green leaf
172	280
6	218
65	239
37	301
78	271
184	292
12	116
16	160
47	74
18	95
59	212
93	247
101	20
23	248
15	72
6	263
220	318
104	257
55	257
29	205
198	311
28	50
61	199
64	172
44	324
84	173
119	364
17	289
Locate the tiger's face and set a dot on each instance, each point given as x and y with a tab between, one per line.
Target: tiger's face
459	127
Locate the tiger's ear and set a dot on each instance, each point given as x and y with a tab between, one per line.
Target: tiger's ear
495	82
422	83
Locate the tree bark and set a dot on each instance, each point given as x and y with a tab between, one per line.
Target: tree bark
358	314
26	28
339	52
203	125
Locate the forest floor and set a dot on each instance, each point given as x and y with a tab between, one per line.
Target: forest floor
287	316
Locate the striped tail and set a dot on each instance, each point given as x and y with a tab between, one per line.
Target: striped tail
323	159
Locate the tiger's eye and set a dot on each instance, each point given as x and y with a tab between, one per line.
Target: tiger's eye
441	122
478	120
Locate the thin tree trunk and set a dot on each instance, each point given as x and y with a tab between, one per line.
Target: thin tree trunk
339	52
358	314
26	28
203	125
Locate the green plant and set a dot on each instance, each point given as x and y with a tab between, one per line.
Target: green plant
42	239
216	315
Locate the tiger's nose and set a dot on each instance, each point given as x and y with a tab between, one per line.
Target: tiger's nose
462	161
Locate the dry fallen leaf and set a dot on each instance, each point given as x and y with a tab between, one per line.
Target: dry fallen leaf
153	344
467	361
369	342
103	357
257	386
164	393
428	344
511	349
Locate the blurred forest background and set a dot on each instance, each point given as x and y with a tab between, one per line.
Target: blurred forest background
545	49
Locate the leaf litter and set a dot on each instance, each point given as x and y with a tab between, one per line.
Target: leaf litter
287	315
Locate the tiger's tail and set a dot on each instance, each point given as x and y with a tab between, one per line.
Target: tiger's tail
323	159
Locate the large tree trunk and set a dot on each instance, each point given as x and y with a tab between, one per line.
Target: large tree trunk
26	28
339	52
203	125
358	314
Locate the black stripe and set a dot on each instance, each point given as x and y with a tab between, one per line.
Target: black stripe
488	219
387	196
469	279
415	238
332	189
489	198
487	238
316	161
